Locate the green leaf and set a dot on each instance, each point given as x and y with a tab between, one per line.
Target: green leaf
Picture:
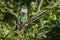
52	16
57	12
47	7
17	31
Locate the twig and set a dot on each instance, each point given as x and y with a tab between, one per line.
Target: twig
40	5
38	17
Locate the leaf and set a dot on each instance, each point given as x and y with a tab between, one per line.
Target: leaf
34	13
17	31
52	17
57	12
47	7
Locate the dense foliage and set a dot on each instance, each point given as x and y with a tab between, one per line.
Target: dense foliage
45	28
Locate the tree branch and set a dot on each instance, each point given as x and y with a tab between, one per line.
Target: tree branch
38	17
40	5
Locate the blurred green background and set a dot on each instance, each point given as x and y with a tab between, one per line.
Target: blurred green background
45	28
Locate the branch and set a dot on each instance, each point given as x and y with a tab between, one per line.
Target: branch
40	5
39	16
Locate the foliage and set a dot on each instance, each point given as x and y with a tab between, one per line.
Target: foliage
45	28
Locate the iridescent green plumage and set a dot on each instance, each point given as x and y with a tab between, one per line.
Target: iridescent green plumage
23	17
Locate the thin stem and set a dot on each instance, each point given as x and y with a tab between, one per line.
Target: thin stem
40	5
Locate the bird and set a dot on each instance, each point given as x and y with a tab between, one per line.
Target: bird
22	16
